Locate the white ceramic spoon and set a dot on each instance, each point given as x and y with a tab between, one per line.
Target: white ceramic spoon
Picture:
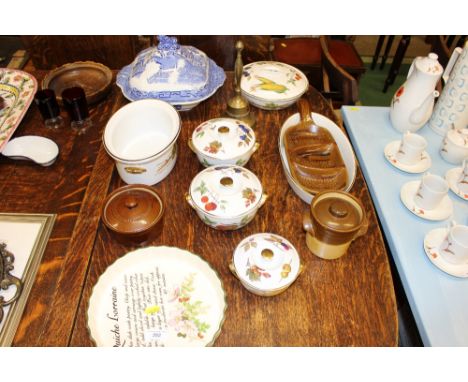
41	150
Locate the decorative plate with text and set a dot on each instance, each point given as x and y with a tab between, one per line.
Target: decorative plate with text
157	296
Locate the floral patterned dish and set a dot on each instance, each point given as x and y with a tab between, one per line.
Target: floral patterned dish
266	264
223	141
272	85
17	88
157	296
226	197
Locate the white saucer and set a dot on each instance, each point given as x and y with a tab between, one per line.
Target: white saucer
432	242
442	212
390	154
452	176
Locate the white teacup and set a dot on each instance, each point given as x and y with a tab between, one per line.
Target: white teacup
454	248
411	148
462	181
431	191
455	145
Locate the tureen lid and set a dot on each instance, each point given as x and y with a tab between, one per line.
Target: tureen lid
226	191
271	80
223	138
170	72
266	261
429	64
133	208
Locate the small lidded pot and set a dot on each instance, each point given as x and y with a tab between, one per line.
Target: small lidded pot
134	214
266	264
226	197
223	141
334	220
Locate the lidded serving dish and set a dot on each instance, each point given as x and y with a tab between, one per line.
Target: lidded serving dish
272	85
226	197
223	141
181	75
134	214
266	264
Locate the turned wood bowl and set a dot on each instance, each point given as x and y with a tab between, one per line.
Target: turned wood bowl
94	78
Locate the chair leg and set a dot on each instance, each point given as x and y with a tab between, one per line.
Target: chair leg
380	42
387	51
395	67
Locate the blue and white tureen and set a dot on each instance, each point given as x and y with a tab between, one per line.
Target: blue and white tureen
181	75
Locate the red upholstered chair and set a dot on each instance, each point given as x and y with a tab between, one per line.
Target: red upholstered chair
305	54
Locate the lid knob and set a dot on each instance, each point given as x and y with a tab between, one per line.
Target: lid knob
338	209
267	254
223	130
131	202
226	181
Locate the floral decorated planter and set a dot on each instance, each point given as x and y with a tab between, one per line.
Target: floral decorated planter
223	141
266	264
226	197
17	89
181	75
272	85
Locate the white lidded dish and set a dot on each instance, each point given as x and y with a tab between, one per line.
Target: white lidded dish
272	85
226	197
223	141
142	139
266	264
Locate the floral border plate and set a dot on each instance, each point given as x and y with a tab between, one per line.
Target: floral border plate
157	296
17	88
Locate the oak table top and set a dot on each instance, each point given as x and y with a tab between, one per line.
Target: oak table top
344	302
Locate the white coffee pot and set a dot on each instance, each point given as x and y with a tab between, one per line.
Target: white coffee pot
413	102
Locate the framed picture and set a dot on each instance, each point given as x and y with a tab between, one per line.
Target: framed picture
23	239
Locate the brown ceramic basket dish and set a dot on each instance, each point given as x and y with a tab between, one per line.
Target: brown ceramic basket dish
94	78
134	214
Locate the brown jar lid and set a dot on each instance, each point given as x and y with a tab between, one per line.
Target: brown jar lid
133	208
337	211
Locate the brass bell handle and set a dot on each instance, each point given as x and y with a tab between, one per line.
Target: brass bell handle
238	67
307	222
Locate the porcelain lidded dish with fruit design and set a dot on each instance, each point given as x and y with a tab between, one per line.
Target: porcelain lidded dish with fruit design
182	75
266	264
223	141
226	197
272	85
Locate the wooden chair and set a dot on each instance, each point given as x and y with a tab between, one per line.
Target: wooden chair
305	53
339	86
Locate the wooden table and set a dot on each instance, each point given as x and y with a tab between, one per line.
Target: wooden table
345	302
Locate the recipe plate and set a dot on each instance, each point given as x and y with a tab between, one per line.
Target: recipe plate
17	88
157	296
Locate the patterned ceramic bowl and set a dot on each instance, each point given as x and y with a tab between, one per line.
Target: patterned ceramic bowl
266	264
181	75
272	85
226	197
223	141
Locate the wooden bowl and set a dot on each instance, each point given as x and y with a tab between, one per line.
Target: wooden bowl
94	78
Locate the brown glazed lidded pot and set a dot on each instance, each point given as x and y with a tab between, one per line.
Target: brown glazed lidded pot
334	220
134	214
